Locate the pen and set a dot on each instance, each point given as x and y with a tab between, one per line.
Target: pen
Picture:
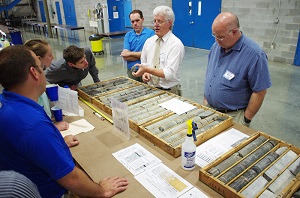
97	114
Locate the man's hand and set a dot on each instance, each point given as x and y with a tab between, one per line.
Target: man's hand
141	70
130	56
80	184
113	186
146	77
205	103
61	126
73	87
71	140
125	53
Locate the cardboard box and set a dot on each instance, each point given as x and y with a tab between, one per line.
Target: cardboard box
227	191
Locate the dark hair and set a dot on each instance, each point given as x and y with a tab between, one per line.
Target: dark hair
138	12
15	62
73	54
237	22
38	46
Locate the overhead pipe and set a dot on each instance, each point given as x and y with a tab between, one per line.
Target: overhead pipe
10	6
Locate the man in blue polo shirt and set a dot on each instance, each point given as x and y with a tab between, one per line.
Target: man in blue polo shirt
29	142
134	41
237	76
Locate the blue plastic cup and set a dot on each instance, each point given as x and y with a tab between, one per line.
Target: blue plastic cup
57	112
52	92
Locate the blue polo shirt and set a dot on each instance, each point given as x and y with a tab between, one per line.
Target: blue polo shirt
232	77
135	42
31	144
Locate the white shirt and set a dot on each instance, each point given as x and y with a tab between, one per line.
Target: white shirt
171	56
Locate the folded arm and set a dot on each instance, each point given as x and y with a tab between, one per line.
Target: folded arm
130	56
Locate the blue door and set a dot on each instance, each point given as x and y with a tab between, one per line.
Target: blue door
58	13
193	20
70	13
127	10
116	15
297	53
43	16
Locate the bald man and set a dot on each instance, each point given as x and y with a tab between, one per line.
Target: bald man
237	76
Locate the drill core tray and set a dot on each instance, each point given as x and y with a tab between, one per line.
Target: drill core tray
261	166
160	126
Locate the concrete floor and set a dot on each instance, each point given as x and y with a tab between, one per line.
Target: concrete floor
279	115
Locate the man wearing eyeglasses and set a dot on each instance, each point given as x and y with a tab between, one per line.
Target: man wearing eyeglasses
237	76
29	142
162	54
73	67
134	41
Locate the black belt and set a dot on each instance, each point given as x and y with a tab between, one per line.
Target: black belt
227	110
166	89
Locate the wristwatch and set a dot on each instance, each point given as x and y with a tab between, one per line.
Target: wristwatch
247	120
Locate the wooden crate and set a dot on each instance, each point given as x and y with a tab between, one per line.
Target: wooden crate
291	188
95	100
226	191
107	109
176	151
100	101
82	93
135	125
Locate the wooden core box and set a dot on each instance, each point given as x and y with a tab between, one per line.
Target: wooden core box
160	126
270	169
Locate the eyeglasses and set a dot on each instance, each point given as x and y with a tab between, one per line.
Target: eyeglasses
158	22
221	38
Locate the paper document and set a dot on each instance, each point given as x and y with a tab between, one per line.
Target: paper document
68	100
77	127
194	193
217	146
136	158
162	182
120	117
177	106
81	112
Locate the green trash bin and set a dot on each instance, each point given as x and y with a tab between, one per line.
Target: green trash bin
96	43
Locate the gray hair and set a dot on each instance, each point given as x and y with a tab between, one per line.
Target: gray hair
166	12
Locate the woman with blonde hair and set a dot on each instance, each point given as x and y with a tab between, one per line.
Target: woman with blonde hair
44	51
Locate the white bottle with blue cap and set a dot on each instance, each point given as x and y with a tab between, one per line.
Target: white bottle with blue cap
188	148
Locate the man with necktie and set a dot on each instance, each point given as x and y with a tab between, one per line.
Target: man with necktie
162	54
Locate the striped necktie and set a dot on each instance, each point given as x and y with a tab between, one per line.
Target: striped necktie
156	61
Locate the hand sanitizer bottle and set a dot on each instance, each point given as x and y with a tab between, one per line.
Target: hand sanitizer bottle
188	149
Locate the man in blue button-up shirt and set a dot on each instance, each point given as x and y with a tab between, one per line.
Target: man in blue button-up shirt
237	76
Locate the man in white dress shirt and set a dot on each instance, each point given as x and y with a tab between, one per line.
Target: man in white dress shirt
165	73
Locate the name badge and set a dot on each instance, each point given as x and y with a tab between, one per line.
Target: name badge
228	75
